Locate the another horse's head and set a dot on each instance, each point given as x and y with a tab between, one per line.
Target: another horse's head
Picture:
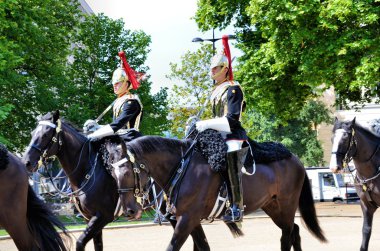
45	140
343	140
131	179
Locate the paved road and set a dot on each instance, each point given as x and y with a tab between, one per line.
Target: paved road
341	223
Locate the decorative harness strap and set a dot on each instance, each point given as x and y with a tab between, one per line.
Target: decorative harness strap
176	180
56	138
138	189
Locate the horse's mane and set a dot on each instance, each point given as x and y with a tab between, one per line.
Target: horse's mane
4	161
373	126
148	144
49	116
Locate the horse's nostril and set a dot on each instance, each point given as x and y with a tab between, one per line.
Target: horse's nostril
27	163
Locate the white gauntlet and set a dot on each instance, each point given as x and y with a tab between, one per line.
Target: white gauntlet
101	133
219	124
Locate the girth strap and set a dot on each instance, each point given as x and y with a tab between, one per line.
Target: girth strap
177	179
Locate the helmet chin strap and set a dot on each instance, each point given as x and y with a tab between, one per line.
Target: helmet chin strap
219	73
123	89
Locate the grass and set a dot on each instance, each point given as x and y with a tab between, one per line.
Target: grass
73	222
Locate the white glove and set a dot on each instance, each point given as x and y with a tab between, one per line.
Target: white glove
102	132
90	126
219	124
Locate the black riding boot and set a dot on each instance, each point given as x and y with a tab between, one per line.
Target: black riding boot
235	161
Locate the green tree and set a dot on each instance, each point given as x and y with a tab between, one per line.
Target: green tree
291	48
299	135
93	61
4	112
34	44
193	88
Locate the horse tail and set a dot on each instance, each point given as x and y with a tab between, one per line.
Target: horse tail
235	230
42	223
307	210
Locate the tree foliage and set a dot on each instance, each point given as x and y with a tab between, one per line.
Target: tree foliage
291	48
189	95
34	44
4	113
51	57
299	135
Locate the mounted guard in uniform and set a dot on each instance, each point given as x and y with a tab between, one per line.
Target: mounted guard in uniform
227	100
127	108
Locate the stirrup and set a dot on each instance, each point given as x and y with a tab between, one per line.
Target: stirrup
233	216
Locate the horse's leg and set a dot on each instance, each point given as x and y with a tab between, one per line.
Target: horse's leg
20	234
296	238
284	219
286	240
95	225
199	237
368	211
98	241
182	230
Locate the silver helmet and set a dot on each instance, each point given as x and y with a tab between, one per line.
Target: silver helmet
119	75
218	60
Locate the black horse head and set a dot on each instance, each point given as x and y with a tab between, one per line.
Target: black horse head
130	177
343	141
45	140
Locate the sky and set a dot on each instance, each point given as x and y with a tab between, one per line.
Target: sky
170	26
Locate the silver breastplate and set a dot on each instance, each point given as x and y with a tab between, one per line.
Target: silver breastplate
219	100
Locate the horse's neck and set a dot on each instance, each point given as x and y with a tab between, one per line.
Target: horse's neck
162	167
73	156
367	156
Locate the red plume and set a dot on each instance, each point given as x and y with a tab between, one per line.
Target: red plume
132	75
228	55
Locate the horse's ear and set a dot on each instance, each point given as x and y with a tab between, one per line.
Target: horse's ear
55	116
336	119
353	121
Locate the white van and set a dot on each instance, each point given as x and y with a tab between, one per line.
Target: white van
328	186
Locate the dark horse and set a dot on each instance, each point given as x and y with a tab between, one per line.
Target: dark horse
24	216
279	188
361	144
90	181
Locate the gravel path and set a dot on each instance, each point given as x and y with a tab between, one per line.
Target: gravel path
341	223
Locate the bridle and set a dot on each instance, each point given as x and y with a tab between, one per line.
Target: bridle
138	189
347	156
56	139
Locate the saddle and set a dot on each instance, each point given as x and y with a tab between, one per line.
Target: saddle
213	147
